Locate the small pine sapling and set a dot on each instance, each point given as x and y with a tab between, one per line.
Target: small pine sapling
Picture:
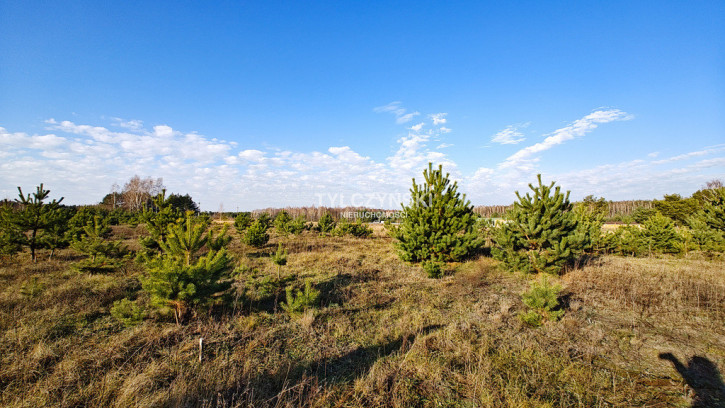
297	225
282	222
301	301
242	222
182	276
127	312
158	219
56	236
326	224
95	243
434	269
542	299
33	217
660	235
256	234
280	259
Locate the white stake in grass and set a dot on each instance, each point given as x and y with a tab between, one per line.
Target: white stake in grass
201	347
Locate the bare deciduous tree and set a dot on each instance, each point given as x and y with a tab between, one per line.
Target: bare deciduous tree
137	191
713	184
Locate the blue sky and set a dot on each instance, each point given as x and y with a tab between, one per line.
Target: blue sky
256	104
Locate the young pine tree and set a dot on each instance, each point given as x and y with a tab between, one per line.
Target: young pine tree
280	259
242	222
297	225
439	222
705	238
282	223
541	233
33	218
95	243
713	212
256	234
326	224
10	235
660	236
182	277
543	301
158	219
57	236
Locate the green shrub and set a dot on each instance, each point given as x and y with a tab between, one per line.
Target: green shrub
281	222
542	299
242	222
216	243
676	208
32	218
713	212
256	234
356	229
127	312
660	236
326	224
642	214
434	269
297	225
705	238
302	300
102	253
32	288
158	219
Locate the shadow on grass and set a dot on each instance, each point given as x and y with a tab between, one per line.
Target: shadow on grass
356	363
703	377
308	378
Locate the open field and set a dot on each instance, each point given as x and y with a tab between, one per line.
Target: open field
384	335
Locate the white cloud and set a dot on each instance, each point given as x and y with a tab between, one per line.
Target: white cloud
163	131
438	118
81	162
418	127
510	135
578	128
251	155
406	118
128	124
715	149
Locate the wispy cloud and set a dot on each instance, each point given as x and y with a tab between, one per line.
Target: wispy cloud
510	135
128	124
401	115
704	152
578	128
81	161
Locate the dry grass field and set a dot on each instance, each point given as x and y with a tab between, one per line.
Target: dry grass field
384	335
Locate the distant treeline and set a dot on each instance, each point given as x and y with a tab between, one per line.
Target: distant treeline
314	213
614	208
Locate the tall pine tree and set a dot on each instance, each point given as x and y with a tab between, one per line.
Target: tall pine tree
541	233
439	221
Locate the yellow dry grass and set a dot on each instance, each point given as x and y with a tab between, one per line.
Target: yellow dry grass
383	336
